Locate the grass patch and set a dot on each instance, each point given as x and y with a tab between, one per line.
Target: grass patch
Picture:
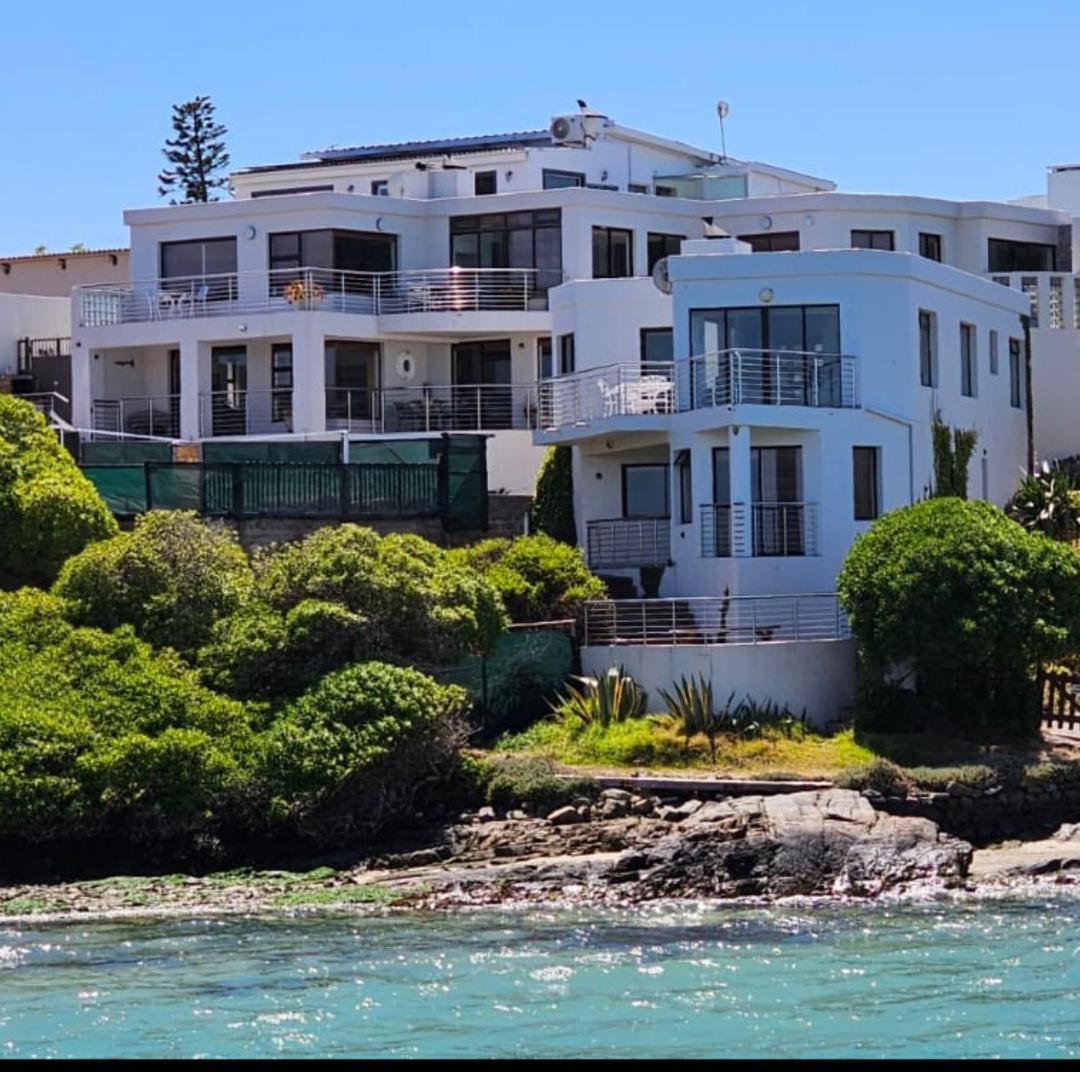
342	895
26	906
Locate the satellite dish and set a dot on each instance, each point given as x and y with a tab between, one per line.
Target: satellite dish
660	276
722	109
405	366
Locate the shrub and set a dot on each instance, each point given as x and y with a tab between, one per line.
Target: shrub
952	606
48	509
538	578
420	603
352	752
608	698
1044	503
553	505
171	578
534	783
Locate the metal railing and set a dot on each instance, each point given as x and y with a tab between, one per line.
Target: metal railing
436	290
716	620
50	403
242	412
150	415
28	350
617	390
458	407
768	378
760	530
626	542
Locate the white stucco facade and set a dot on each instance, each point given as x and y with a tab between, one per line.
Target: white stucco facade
29	316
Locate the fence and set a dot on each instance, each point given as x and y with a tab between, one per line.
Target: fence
1058	692
715	620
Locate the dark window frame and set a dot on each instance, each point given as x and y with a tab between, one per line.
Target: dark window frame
380	187
292	190
567	356
930	246
281	392
874	510
659	245
545	343
665	468
222	285
764	310
969	384
540	221
1016	381
996	247
873	236
637	188
483	178
683	465
928	370
767	241
664	191
643	335
607	233
558	174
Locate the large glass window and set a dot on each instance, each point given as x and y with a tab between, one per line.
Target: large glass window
657	346
545	367
873	240
968	370
560	180
1006	255
612	253
662	245
346	251
808	328
352	379
645	490
482	395
1016	390
927	348
865	466
773	242
207	264
779	517
566	354
510	240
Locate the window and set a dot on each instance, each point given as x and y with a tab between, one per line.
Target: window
968	372
993	353
612	253
657	346
362	252
930	246
544	365
380	187
281	380
686	487
873	240
561	180
291	190
566	354
645	490
662	245
510	240
1015	370
204	257
637	188
865	472
778	514
352	380
1005	255
485	182
780	242
665	191
799	328
927	349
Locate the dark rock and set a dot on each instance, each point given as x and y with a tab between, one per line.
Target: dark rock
565	816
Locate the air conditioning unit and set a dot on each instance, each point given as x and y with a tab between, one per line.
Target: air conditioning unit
569	130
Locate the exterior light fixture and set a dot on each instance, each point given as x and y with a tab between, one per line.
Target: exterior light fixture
250	232
765	222
766	295
241	328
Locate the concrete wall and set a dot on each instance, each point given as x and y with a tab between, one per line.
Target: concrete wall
54	274
816	675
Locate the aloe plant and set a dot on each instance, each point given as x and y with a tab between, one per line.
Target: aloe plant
1044	503
613	696
691	706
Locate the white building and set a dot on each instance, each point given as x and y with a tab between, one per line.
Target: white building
387	290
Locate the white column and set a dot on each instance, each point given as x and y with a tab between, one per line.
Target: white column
190	383
741	491
309	378
85	382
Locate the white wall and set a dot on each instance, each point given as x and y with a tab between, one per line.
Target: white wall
28	316
818	676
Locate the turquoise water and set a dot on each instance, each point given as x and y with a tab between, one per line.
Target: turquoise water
974	978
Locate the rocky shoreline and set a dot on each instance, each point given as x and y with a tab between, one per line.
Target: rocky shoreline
624	849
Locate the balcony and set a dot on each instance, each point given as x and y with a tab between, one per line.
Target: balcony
439	290
622	542
759	530
768	378
715	620
618	390
157	416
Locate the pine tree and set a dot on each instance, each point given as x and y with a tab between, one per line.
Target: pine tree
196	153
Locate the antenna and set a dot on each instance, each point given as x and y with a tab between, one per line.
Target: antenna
722	110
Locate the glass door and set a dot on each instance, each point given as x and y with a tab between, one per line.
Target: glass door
352	380
482	393
228	390
779	520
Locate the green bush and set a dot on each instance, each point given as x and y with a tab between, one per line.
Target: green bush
171	578
353	751
421	604
534	783
538	578
553	506
952	606
48	509
1045	503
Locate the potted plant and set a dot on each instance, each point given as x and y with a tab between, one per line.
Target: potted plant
303	294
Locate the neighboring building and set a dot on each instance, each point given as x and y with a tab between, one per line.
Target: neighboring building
387	290
54	274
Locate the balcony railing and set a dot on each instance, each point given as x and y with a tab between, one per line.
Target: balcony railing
485	407
716	620
438	290
775	530
157	415
768	378
618	390
629	542
234	412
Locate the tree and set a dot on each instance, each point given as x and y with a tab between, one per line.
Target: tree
553	507
953	606
196	153
953	448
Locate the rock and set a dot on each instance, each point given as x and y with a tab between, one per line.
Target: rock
565	816
641	806
486	814
1068	832
958	789
676	814
516	815
623	795
613	808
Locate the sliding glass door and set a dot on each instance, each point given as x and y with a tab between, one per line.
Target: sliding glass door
482	396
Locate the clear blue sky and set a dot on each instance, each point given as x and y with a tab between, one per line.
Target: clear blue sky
952	97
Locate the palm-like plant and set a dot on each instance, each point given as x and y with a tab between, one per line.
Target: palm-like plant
613	696
1044	503
690	704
